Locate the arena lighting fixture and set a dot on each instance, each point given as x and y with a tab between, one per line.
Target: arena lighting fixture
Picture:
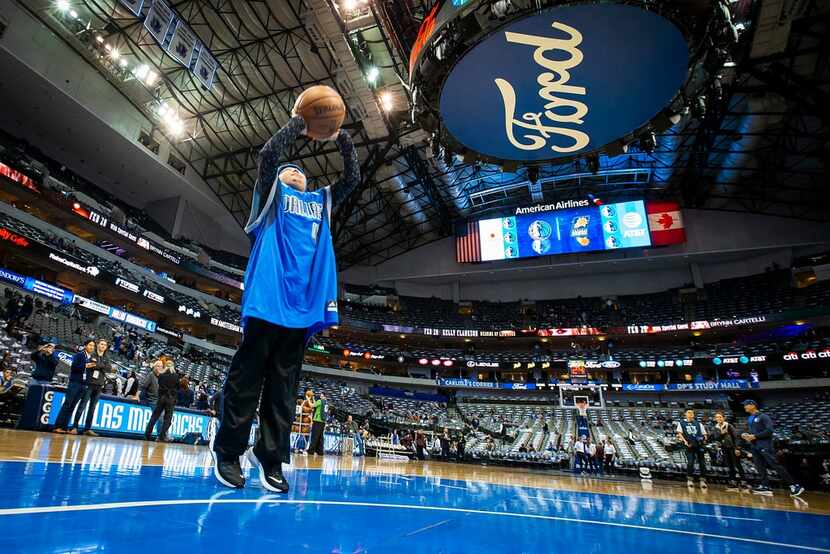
649	142
386	101
372	75
99	39
151	79
349	5
115	54
73	14
123	62
62	5
141	71
436	362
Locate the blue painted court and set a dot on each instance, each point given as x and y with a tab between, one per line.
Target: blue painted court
105	499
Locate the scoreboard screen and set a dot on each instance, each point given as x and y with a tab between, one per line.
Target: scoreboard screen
579	226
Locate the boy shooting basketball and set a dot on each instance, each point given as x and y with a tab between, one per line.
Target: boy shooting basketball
290	294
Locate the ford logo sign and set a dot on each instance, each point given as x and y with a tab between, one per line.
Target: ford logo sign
564	82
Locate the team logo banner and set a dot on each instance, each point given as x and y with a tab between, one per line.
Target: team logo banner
133	5
158	20
206	67
563	82
182	44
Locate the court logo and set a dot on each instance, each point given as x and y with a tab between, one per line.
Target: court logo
564	81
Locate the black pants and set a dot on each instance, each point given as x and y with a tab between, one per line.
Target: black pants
315	445
733	464
71	398
419	452
165	404
90	398
693	452
267	364
764	460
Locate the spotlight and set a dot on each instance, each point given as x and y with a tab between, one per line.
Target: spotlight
123	62
372	75
99	39
649	142
141	71
698	107
115	54
386	101
73	14
151	78
349	5
62	5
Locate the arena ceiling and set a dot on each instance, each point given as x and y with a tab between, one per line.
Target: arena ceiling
761	147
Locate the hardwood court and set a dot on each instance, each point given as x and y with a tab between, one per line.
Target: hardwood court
66	494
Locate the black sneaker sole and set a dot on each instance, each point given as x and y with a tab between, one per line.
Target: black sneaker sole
216	472
262	480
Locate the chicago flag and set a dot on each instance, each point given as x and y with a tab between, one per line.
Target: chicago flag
665	223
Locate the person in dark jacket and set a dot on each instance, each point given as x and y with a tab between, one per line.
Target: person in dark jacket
724	433
96	377
185	394
149	391
167	394
81	362
46	360
763	455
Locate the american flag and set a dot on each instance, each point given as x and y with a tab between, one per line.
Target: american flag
467	245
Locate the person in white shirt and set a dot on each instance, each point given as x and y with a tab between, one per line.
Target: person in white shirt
590	455
610	454
580	460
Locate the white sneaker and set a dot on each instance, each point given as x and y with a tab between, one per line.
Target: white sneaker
703	484
690	483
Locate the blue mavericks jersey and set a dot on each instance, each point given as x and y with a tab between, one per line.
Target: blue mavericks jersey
291	278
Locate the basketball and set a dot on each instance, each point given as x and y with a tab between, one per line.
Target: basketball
323	110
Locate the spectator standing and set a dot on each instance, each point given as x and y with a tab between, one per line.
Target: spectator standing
692	434
580	460
610	455
81	363
96	377
318	426
168	389
149	391
185	393
45	360
724	434
763	455
420	444
445	444
599	457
